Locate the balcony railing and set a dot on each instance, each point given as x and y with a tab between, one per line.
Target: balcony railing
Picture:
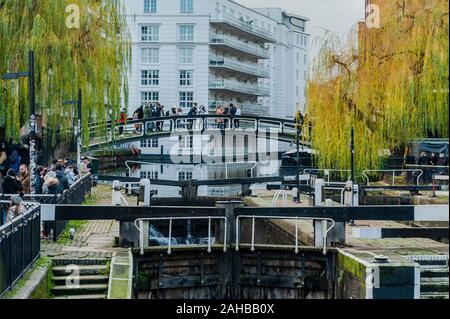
244	26
239	45
254	108
236	86
247	68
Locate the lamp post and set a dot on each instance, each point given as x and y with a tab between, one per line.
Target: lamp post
352	155
298	162
77	102
298	123
32	130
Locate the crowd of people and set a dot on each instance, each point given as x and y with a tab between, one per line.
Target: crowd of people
156	110
15	179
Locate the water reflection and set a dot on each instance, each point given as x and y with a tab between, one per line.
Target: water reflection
220	171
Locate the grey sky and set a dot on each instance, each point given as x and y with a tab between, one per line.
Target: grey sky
338	16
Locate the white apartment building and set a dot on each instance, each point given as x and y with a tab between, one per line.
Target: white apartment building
214	52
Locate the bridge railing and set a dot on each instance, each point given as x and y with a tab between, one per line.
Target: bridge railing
150	127
143	226
393	173
75	195
19	245
326	229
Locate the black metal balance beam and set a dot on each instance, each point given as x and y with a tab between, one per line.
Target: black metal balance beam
410	188
130	213
218	182
343	214
338	214
435	233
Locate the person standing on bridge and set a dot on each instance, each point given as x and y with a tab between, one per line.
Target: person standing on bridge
121	121
219	121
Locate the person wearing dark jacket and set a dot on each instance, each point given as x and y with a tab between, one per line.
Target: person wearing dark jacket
39	179
11	183
62	178
52	185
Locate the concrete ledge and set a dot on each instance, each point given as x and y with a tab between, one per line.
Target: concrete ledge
37	280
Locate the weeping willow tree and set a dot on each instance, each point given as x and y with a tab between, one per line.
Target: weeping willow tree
389	83
91	54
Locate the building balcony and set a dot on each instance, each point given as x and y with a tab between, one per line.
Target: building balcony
239	46
238	87
239	26
237	66
254	109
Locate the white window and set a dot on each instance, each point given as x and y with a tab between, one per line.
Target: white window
298	57
153	175
297	91
304	59
187	6
149	77
150	6
153	143
185	142
186	33
186	99
186	55
149	55
150	33
149	97
184	176
186	78
298	74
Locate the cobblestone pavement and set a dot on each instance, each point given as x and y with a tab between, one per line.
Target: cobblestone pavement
93	240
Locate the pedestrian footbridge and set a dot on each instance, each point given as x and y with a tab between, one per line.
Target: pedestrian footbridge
104	135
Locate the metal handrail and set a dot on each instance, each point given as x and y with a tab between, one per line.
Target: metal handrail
238	86
239	45
243	25
277	196
141	221
131	121
365	172
247	68
253	218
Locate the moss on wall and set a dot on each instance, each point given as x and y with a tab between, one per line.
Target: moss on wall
351	278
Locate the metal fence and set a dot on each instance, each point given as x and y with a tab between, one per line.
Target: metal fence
19	245
75	195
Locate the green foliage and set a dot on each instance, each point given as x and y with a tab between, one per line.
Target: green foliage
392	86
94	58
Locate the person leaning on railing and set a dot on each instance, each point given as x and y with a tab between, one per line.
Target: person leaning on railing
16	208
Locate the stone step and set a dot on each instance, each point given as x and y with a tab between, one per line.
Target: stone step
441	287
93	289
82	297
426	267
442	263
83	270
443	280
437	272
89	279
433	295
77	261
